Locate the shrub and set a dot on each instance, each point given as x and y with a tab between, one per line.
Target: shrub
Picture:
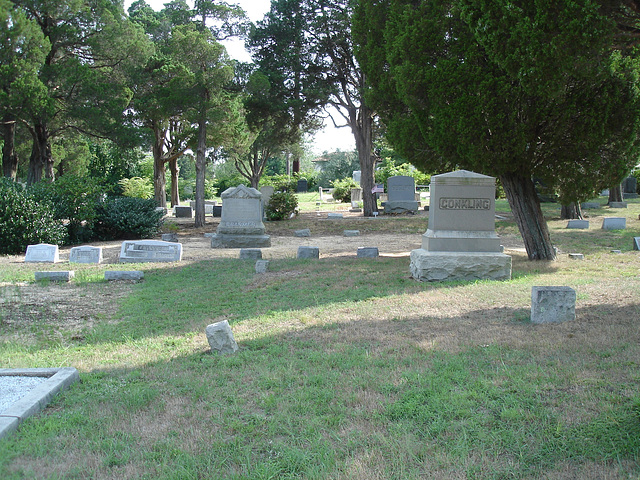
127	218
75	200
342	189
25	221
281	206
136	187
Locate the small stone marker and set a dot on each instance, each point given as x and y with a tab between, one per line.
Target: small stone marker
616	251
182	211
42	253
589	205
150	251
62	276
617	204
305	232
115	275
308	252
367	252
351	233
262	266
220	337
85	254
217	210
576	256
582	224
170	237
335	215
636	243
552	304
250	254
614	223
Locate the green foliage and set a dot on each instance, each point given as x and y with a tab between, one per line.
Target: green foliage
127	218
342	189
337	165
391	169
110	163
227	180
136	187
25	221
75	199
281	206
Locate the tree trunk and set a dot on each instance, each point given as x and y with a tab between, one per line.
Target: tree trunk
571	212
40	154
200	172
175	171
9	157
362	127
525	206
159	179
615	193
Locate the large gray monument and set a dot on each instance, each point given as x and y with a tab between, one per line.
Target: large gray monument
460	242
241	222
402	195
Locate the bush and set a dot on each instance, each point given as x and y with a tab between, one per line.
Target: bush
342	189
127	218
281	206
25	221
136	187
75	200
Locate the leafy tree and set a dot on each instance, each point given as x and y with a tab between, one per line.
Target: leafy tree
337	165
508	88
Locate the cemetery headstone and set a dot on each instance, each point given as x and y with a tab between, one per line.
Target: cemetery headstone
356	195
241	224
614	223
335	215
170	237
250	254
60	276
308	252
552	304
302	186
576	256
262	266
181	211
305	232
589	205
85	254
460	242
220	337
618	204
401	190
266	192
351	233
116	275
139	251
629	187
217	210
321	192
367	252
580	224
42	253
357	176
636	243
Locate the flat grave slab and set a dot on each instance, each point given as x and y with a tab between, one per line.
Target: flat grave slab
617	204
56	276
118	275
140	251
580	224
614	223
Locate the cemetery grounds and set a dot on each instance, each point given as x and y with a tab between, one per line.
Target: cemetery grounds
347	368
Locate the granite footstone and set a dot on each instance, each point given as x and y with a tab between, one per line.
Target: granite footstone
56	276
579	224
250	254
220	338
123	275
308	252
552	304
367	252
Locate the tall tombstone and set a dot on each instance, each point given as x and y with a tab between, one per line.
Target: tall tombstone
460	242
629	187
266	192
241	222
357	176
402	195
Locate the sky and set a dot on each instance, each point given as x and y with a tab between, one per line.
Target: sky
330	138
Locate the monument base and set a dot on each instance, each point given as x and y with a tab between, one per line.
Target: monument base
224	240
450	266
400	206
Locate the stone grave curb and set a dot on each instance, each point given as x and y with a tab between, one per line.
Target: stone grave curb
38	398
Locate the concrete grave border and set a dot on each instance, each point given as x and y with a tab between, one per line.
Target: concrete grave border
38	398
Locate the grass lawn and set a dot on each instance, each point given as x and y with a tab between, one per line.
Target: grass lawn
347	368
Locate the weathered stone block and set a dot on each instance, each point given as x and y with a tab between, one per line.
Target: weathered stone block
85	254
367	252
182	211
617	204
305	232
62	276
220	337
449	266
42	253
250	254
116	275
351	233
581	224
614	223
335	215
308	252
576	256
262	266
170	237
552	304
